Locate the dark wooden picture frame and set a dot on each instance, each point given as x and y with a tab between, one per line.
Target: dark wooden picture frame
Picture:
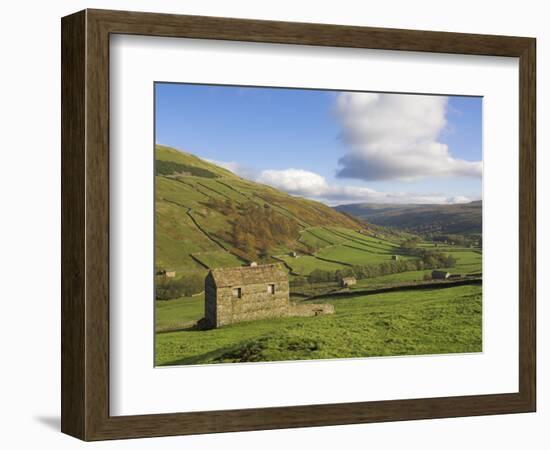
85	224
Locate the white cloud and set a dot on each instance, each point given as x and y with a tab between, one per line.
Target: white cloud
395	136
236	168
295	181
459	199
309	184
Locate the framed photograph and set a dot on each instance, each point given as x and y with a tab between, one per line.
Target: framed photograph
274	225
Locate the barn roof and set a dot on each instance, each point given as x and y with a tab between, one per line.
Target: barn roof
346	279
238	276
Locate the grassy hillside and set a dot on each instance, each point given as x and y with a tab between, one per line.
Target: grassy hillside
455	219
208	217
401	323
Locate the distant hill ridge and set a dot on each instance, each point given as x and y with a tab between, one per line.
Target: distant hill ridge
461	218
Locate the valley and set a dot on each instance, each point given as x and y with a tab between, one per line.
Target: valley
207	217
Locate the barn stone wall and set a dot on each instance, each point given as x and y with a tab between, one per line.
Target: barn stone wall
255	303
223	307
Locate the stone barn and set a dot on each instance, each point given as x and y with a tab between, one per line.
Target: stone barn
348	281
238	294
440	275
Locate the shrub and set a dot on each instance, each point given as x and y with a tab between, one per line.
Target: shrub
298	282
451	261
410	244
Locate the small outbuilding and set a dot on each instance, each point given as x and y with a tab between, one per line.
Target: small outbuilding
168	273
440	275
348	281
237	294
395	257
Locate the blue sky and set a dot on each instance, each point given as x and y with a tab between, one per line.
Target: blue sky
337	147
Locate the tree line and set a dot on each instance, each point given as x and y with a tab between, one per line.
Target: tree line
428	260
171	168
183	286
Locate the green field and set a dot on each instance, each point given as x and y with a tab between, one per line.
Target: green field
431	321
305	264
379	242
217	258
353	255
179	313
381	281
336	248
467	261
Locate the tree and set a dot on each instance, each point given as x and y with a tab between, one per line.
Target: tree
451	261
410	244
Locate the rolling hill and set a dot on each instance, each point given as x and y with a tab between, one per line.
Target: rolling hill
464	218
207	217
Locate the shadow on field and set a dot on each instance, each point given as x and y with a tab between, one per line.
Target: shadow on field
189	326
205	358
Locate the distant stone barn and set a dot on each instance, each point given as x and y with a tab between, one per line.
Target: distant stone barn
238	294
348	281
440	275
